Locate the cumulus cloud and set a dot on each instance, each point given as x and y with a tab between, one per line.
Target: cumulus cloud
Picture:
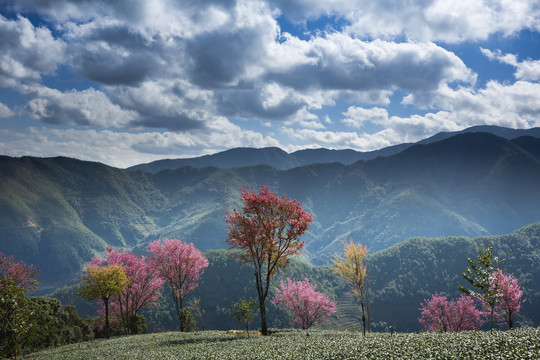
26	52
432	20
200	72
89	107
338	61
124	149
5	111
525	70
514	105
237	52
355	117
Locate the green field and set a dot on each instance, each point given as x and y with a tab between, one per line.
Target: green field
523	343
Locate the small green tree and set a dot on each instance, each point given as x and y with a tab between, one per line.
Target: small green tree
243	311
16	329
195	305
188	320
102	283
479	275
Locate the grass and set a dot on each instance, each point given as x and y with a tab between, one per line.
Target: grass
521	343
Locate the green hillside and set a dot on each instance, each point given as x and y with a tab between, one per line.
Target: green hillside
402	276
57	213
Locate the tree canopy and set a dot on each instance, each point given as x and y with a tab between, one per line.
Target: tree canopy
267	233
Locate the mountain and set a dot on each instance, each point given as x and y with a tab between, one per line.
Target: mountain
279	159
57	213
503	132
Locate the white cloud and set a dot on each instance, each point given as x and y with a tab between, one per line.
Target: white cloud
431	20
196	68
339	62
26	52
89	107
355	117
238	65
528	70
5	111
124	149
514	105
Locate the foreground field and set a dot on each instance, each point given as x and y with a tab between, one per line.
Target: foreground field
293	344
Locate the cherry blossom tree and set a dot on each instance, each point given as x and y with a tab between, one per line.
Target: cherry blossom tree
438	314
21	274
180	265
510	295
306	304
144	286
267	233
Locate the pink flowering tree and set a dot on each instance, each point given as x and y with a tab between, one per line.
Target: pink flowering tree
306	304
22	275
144	286
438	314
267	234
180	265
510	297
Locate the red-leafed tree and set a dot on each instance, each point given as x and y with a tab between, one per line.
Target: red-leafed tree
267	233
438	314
180	265
144	286
306	304
510	295
22	275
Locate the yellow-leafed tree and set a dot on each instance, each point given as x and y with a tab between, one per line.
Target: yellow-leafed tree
103	283
351	268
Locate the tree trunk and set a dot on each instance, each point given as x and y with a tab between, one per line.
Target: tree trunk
107	330
262	298
491	322
363	318
262	309
367	305
178	303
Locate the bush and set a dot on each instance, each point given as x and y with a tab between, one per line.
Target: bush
56	326
138	325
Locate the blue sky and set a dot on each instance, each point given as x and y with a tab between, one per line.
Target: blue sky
127	82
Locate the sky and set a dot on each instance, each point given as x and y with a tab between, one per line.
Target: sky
128	82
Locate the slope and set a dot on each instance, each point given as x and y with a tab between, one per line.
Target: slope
401	277
57	212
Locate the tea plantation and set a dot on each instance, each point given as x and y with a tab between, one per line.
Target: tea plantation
522	343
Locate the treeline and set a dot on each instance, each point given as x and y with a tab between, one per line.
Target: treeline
401	278
223	283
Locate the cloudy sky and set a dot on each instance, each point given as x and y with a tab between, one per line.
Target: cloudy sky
126	82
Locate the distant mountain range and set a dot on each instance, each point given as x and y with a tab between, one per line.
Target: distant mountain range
281	160
59	212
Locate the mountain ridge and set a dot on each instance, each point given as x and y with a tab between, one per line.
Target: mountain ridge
59	212
281	160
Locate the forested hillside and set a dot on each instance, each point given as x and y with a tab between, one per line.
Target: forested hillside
57	213
402	276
